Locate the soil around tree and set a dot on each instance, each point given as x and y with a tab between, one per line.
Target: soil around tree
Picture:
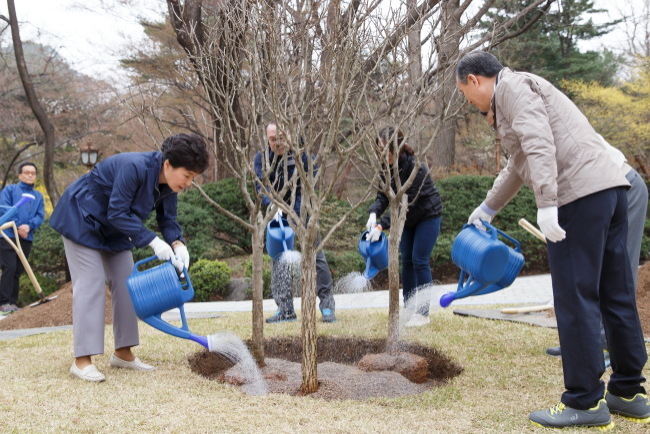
339	376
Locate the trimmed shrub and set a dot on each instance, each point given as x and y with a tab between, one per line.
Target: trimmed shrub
47	256
345	262
28	294
209	233
209	278
266	274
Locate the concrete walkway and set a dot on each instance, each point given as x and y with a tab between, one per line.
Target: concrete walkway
533	290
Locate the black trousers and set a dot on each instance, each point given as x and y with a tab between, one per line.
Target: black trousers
12	268
592	277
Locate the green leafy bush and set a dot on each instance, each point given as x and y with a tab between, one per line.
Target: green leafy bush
28	294
266	274
345	262
47	256
210	278
209	233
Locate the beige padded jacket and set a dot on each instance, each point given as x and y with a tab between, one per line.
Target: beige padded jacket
551	145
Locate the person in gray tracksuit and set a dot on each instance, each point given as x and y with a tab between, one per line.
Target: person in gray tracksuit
582	211
279	161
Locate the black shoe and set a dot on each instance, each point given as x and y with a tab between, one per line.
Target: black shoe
328	315
636	408
282	317
554	351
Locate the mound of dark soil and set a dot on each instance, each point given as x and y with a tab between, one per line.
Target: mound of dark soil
56	312
339	376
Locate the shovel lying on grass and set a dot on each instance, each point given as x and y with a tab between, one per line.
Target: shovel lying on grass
6	223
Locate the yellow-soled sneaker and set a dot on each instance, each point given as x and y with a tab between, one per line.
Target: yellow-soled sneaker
636	409
561	416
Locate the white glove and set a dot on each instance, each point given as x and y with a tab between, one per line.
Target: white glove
372	221
278	215
374	234
548	223
182	255
161	249
482	212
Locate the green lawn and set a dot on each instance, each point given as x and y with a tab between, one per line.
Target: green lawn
506	376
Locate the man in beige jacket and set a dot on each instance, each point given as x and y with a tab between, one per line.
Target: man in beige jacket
582	211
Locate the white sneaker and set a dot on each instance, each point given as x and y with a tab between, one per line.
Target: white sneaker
418	320
89	373
136	365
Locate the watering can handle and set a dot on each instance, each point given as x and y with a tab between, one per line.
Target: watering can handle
143	261
512	240
281	227
284	241
188	292
489	228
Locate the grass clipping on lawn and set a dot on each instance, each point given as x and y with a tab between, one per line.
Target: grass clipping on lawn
506	375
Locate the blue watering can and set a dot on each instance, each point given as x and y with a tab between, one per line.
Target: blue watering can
157	290
486	263
375	254
279	237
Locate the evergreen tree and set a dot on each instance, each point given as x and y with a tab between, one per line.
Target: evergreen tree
550	47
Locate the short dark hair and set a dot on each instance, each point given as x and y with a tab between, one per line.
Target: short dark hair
478	63
26	163
186	150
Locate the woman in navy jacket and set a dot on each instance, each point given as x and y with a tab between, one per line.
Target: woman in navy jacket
422	224
100	217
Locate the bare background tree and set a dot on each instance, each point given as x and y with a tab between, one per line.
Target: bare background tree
329	73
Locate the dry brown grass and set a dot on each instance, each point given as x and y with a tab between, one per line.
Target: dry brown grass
506	376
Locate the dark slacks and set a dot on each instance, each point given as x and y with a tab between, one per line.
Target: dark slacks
416	245
592	277
12	268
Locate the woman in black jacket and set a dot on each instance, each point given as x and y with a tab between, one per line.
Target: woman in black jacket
422	224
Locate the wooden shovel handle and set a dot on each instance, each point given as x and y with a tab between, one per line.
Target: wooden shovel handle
21	255
532	229
526	309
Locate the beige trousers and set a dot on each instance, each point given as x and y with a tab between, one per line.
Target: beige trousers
91	270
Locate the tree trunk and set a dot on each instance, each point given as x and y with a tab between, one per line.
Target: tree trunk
394	283
415	73
34	104
308	309
449	48
257	345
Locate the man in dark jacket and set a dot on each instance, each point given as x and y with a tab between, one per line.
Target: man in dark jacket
28	219
280	160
